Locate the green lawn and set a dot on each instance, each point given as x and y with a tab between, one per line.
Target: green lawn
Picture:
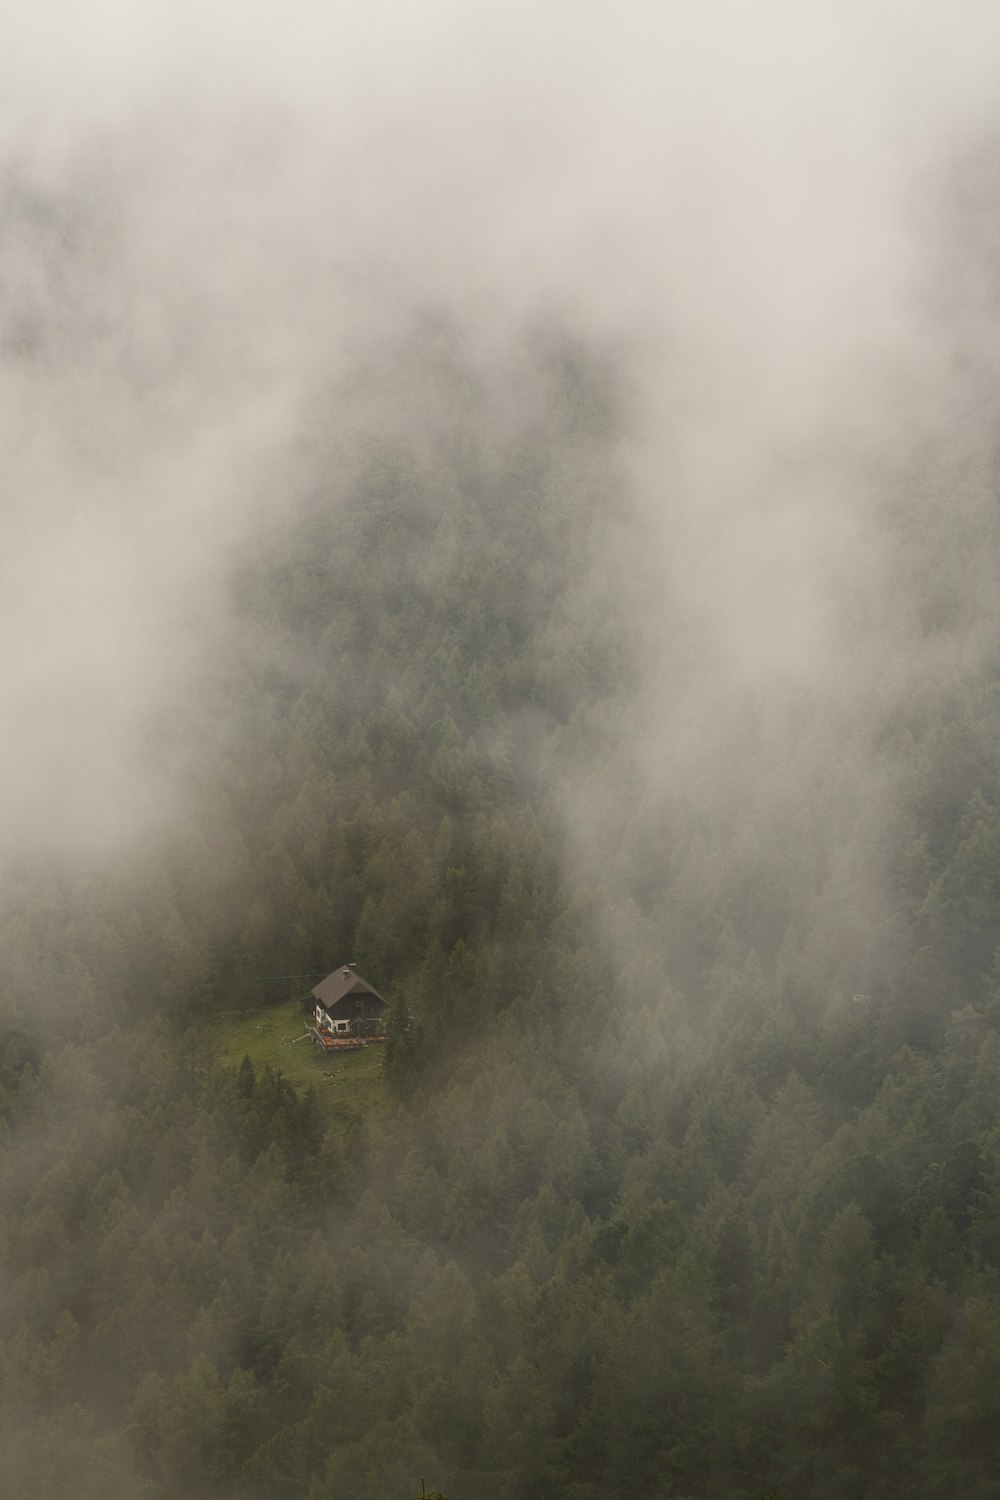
346	1084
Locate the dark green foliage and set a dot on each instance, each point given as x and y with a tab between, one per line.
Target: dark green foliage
691	1180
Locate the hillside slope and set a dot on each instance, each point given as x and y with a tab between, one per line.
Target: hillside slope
686	1179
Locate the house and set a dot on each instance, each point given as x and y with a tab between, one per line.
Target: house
343	1003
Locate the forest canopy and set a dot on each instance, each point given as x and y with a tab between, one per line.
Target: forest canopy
687	1183
543	553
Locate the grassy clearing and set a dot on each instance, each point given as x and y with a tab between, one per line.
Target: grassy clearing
346	1085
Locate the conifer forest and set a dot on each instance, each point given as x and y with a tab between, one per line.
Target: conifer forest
520	517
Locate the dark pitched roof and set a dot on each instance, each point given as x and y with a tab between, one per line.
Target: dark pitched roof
343	982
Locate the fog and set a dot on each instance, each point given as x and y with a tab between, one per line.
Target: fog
225	230
209	209
217	218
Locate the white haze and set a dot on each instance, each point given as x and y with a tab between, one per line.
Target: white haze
211	210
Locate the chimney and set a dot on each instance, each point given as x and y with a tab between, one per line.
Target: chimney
354	968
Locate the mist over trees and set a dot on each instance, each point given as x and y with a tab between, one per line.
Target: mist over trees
551	564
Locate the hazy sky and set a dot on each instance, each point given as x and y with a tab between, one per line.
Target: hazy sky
207	207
